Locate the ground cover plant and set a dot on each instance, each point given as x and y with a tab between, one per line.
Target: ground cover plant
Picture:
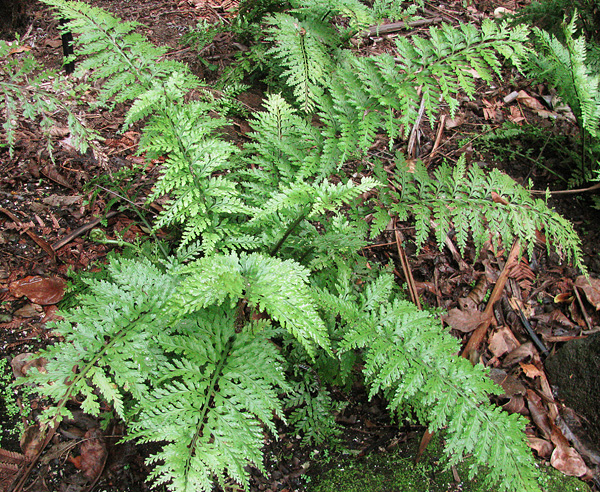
199	350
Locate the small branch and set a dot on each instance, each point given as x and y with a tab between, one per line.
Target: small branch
479	334
399	26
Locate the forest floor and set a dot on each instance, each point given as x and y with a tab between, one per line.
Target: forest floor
47	210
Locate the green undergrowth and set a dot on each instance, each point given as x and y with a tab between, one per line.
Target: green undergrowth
397	472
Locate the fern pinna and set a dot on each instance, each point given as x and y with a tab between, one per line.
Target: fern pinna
201	356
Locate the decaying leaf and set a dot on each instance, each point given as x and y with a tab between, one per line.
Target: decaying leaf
502	341
541	446
39	290
93	454
539	414
23	362
465	321
591	289
32	441
564	458
530	370
525	352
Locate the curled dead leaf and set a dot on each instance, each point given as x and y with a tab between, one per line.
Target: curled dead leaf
465	321
541	446
40	290
93	454
32	441
591	289
564	458
22	363
502	341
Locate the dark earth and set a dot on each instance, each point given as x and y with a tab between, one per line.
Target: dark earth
48	208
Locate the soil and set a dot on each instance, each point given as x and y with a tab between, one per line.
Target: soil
45	202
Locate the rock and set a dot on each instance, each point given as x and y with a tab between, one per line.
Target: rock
575	371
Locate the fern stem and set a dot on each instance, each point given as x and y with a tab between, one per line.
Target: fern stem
290	229
209	401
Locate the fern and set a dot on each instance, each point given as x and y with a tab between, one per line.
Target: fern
408	358
211	402
478	206
565	66
109	344
271	247
28	91
124	60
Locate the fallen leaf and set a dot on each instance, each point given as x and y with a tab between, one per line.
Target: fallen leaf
538	413
525	351
530	370
62	201
530	102
39	290
516	404
511	385
93	454
541	446
54	43
496	198
21	364
464	321
502	341
29	310
32	441
591	289
568	461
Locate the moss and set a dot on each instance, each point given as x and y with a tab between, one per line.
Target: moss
396	472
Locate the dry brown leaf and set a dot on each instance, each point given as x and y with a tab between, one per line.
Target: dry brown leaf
530	102
516	404
525	351
539	413
591	289
541	446
32	441
29	310
502	341
565	459
39	290
530	370
93	454
465	321
511	385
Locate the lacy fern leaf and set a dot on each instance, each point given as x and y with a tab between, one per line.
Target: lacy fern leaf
409	358
211	403
109	344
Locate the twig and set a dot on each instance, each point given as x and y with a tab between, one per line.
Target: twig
567	192
407	272
478	335
438	138
37	239
399	26
82	230
586	317
413	134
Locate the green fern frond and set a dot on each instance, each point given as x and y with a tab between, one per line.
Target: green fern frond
463	200
565	66
211	403
27	91
110	50
269	285
306	60
409	357
109	344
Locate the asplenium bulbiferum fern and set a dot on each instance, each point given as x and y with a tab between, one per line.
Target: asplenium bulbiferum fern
173	349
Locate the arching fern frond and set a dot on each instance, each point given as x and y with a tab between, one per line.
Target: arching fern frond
126	62
482	206
408	357
212	401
